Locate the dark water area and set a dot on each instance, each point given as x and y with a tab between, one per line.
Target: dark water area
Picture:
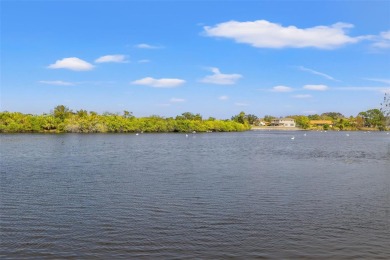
244	195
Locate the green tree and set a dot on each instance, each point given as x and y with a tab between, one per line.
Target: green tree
82	113
63	120
268	118
332	115
314	117
326	127
61	112
198	117
240	118
373	118
342	123
190	116
302	121
251	118
127	114
359	121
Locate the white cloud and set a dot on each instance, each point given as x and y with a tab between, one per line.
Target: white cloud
302	96
383	40
159	83
57	83
316	87
177	100
71	63
118	58
317	73
265	34
143	61
281	89
223	98
147	46
220	78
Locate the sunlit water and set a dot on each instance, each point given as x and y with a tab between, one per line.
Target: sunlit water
215	195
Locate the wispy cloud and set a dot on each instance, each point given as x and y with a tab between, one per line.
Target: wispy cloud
144	61
282	89
177	100
316	87
317	73
386	81
220	78
117	58
223	98
147	46
302	96
57	83
265	34
98	82
382	41
72	63
159	83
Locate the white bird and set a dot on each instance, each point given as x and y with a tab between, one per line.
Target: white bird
186	135
137	134
292	138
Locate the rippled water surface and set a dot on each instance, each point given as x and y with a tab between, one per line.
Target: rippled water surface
217	195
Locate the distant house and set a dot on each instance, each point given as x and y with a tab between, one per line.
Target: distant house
321	122
260	122
284	122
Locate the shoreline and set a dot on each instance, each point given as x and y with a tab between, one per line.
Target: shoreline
276	128
281	128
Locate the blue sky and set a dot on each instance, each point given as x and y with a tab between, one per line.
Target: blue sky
216	58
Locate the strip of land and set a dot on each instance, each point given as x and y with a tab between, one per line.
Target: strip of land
276	128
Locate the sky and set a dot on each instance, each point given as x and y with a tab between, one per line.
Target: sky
214	57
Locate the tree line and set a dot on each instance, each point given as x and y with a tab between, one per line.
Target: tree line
64	120
371	119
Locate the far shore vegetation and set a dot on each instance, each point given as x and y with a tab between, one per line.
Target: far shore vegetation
64	120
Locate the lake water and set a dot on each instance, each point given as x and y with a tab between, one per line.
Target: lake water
216	195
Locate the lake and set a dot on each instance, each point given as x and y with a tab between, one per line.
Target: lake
255	194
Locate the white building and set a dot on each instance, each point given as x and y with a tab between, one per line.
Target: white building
284	122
